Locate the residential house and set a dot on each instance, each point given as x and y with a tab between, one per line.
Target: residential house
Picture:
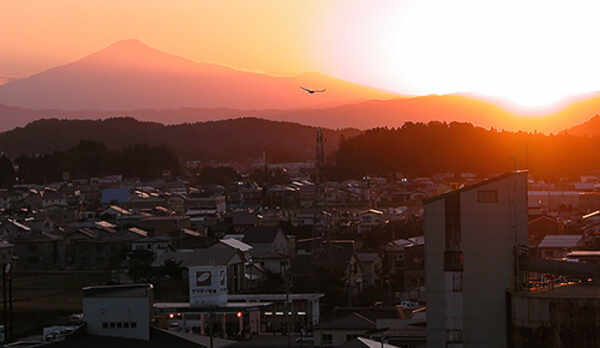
35	249
243	221
413	272
336	332
230	253
157	245
7	252
5	198
120	195
369	220
542	226
270	248
559	245
51	198
200	200
99	245
164	225
363	271
113	212
393	326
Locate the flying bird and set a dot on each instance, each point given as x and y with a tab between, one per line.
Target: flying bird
312	91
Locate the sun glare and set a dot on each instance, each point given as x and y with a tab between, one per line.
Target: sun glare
532	54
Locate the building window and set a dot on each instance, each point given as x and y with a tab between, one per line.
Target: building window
453	261
112	325
455	336
104	325
351	337
326	339
126	325
489	196
457	280
452	222
133	324
119	325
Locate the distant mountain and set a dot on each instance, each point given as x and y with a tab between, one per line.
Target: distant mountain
130	75
362	115
5	79
239	139
589	128
129	78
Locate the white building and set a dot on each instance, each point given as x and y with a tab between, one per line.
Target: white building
370	219
118	310
471	236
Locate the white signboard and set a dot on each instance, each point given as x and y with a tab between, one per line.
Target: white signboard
208	286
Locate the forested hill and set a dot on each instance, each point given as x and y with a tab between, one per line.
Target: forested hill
233	139
423	149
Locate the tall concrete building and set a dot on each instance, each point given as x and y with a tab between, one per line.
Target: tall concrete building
471	238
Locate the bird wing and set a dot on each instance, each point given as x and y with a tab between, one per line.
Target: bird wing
306	89
321	90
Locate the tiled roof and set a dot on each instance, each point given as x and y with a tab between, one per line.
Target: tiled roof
560	241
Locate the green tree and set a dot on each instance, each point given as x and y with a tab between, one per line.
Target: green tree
140	265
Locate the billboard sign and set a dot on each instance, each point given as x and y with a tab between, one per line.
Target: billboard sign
208	285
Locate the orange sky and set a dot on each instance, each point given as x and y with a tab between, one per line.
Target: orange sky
270	36
533	53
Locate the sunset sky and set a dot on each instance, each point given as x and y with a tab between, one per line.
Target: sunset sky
531	53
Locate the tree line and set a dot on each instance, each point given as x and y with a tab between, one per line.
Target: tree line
423	149
90	159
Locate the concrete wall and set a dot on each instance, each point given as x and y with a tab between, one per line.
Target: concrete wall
470	306
434	277
489	233
548	322
339	337
100	310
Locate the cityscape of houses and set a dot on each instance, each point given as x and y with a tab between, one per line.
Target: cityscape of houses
451	260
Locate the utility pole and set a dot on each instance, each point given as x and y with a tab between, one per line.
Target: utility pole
288	307
7	300
319	163
210	327
10	303
4	304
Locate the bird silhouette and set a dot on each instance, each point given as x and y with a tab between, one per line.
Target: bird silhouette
312	91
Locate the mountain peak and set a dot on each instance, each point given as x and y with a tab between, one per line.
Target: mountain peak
130	46
129	74
128	43
129	52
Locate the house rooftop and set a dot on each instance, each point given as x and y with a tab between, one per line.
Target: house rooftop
361	342
353	321
138	231
158	338
584	253
112	290
592	214
261	234
120	210
477	185
115	195
371	211
560	241
236	244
